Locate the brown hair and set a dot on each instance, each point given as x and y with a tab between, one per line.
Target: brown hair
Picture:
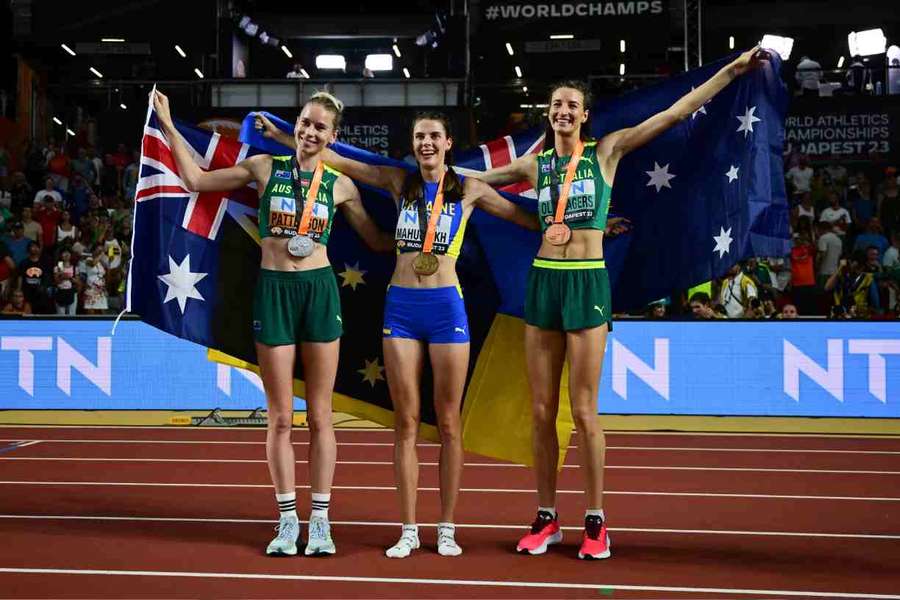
585	89
329	103
414	184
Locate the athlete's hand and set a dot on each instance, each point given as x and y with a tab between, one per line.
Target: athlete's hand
267	127
617	225
161	106
749	60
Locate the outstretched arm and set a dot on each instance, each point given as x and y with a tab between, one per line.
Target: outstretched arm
380	176
487	199
195	178
522	169
351	205
620	143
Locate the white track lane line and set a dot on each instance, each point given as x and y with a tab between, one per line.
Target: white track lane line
421	445
432	464
454	582
380	488
340	430
862	536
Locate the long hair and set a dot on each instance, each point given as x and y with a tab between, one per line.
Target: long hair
329	103
414	184
585	89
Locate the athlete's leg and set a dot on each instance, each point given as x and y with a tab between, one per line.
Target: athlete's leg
320	362
544	358
449	364
276	367
403	360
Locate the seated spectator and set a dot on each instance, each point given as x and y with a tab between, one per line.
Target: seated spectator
759	271
66	233
33	230
736	292
34	279
66	296
862	205
854	289
804	209
93	276
788	311
17	304
21	193
872	236
891	258
84	167
836	173
17	243
59	168
656	310
79	198
808	76
130	176
836	215
701	306
48	190
7	270
803	275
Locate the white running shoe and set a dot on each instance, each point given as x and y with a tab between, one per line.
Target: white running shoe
409	541
319	540
447	545
285	543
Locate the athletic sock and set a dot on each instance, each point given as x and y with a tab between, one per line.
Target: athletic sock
548	509
595	512
287	504
320	505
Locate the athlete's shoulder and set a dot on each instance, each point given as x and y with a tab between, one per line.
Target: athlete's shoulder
546	153
332	171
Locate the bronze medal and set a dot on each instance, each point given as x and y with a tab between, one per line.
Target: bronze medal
558	234
425	264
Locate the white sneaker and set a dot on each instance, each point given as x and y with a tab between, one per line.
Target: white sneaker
409	541
319	540
447	545
285	543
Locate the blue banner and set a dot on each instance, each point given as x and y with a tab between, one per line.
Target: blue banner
824	369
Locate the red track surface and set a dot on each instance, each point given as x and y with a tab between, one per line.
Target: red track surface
713	517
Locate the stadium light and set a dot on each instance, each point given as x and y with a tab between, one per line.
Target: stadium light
67	49
525	88
562	36
304	73
396	50
331	61
198	72
621	68
180	51
70	132
867	43
840	62
779	44
57	121
287	52
622	46
122	106
526	106
893	53
518	71
731	42
96	72
112	40
509	49
406	73
380	62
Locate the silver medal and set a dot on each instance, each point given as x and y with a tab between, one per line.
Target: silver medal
301	246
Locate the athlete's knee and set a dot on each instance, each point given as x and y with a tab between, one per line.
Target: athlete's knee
406	427
543	415
319	423
280	422
586	420
449	428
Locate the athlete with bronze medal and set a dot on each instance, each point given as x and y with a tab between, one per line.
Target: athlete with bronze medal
567	304
424	315
296	300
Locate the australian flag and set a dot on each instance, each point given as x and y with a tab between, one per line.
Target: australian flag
704	195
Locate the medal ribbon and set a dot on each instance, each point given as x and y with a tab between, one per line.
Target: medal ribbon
567	182
311	194
435	215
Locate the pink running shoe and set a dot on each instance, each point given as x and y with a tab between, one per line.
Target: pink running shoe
544	531
596	542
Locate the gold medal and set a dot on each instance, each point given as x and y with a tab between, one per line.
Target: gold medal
425	264
558	234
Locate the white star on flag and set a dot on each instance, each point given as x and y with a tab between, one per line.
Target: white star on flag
702	108
747	121
723	242
659	176
182	283
732	173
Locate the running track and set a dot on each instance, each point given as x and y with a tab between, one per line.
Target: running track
171	512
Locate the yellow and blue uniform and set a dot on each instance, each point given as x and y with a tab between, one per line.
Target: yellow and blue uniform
570	294
433	315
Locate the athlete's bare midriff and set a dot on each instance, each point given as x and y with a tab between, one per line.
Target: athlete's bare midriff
584	244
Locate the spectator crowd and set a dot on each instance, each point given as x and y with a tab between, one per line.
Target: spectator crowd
65	228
